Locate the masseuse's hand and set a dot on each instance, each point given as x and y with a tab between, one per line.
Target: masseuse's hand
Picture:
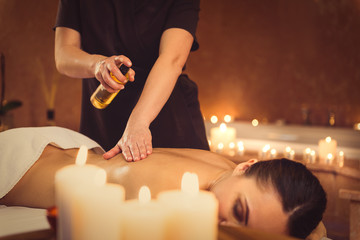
111	64
135	144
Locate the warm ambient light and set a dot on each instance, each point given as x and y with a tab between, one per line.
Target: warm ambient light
214	119
144	194
81	156
190	183
357	126
223	127
255	122
266	148
100	177
328	139
227	118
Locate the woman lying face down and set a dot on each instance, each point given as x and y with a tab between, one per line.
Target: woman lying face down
279	196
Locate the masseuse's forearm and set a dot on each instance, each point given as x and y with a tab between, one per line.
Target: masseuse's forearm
174	50
158	87
70	59
76	63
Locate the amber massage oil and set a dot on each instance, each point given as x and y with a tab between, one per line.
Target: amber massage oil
101	98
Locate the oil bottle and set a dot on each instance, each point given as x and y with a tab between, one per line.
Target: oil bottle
101	98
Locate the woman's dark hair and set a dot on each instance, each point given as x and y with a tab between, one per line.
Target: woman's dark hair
302	195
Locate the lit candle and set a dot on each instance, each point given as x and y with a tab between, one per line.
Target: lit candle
306	154
312	158
240	148
220	148
232	149
194	212
97	210
214	119
144	218
68	181
329	158
255	122
264	153
222	134
289	153
273	153
227	118
341	159
327	146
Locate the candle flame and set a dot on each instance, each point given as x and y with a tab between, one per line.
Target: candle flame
288	149
190	183
144	194
81	156
227	118
100	177
223	127
214	119
330	156
328	139
307	150
220	146
255	122
266	148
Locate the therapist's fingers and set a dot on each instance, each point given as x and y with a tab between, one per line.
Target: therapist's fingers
112	152
136	143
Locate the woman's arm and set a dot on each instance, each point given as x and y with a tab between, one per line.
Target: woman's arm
72	61
135	143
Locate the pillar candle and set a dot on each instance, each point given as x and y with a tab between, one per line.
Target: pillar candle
97	211
222	134
144	218
327	146
193	213
83	204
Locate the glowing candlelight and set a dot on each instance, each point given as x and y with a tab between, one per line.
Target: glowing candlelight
81	156
144	195
144	218
341	159
273	153
214	119
231	149
289	153
220	148
329	158
227	118
255	122
79	188
263	154
193	212
326	146
190	183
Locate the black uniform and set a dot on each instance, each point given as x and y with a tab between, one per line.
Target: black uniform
133	28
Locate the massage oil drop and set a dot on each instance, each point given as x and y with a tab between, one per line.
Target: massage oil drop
101	98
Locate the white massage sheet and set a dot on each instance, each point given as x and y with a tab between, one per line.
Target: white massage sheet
19	150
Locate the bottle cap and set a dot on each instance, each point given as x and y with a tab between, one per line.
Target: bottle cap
124	69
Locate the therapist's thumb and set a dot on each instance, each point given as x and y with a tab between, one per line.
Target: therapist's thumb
112	152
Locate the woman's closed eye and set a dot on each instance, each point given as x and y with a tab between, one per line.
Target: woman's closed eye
240	211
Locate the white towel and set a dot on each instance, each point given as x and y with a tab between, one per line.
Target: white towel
20	148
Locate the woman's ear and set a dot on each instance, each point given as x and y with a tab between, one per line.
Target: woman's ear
241	167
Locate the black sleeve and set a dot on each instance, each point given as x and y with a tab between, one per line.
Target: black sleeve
68	15
184	14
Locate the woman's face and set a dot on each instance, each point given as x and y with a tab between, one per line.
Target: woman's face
242	201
